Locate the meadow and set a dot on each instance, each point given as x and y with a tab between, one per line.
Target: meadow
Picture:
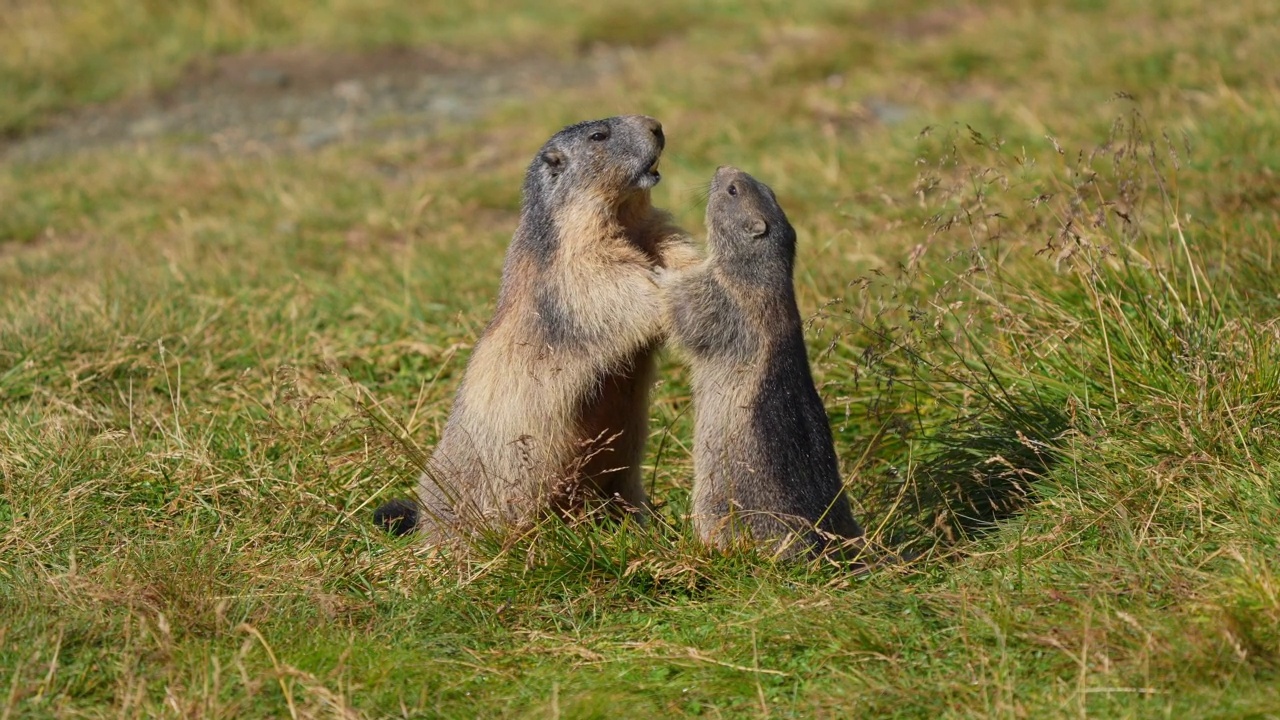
1036	262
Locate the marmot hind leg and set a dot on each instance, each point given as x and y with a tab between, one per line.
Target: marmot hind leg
615	471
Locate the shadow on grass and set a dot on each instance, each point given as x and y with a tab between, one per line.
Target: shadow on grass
981	470
982	434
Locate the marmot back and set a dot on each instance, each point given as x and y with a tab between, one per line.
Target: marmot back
764	460
552	411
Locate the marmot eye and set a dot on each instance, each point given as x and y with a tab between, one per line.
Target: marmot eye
599	136
733	189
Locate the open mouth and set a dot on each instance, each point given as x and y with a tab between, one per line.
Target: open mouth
647	174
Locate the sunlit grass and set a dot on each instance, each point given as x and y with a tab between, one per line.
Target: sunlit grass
1037	262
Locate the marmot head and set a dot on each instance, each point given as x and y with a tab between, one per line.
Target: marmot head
611	160
746	228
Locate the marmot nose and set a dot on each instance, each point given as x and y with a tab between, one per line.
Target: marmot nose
655	127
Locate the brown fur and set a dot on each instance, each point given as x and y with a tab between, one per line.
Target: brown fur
552	411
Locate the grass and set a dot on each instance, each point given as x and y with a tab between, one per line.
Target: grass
1044	328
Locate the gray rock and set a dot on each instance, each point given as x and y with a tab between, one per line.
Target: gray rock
268	77
147	127
319	138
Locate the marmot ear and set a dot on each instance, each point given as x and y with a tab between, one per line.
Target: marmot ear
554	160
756	226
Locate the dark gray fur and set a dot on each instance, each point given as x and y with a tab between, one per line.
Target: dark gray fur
707	321
764	458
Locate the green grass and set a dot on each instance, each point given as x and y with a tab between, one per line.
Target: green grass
1044	330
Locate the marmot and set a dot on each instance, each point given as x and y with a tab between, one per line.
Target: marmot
764	460
553	410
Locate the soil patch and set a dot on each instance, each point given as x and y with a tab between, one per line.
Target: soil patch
301	99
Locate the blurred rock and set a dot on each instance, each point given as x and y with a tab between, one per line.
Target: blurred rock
268	77
351	91
147	127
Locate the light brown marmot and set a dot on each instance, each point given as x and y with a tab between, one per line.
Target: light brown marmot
764	462
552	411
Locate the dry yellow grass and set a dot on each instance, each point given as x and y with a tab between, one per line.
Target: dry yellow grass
1046	341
